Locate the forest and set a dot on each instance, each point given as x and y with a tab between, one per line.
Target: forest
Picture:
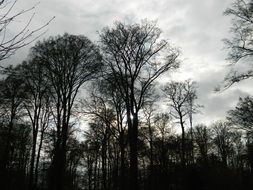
83	115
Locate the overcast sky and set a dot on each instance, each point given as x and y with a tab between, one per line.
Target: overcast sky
197	27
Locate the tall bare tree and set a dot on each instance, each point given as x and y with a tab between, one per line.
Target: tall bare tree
135	57
36	104
69	62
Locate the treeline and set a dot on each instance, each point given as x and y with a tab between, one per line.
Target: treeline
139	135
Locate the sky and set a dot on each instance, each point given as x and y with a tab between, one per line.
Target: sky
197	27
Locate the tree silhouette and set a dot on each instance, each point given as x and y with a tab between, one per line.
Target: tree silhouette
180	97
240	46
131	63
69	61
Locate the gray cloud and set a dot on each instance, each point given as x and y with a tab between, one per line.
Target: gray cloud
196	26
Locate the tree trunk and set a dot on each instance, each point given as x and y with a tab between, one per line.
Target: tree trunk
38	158
133	142
122	164
33	154
104	170
183	142
89	165
7	152
151	150
95	173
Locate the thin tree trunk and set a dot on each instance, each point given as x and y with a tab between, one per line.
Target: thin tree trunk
7	155
33	154
89	164
183	142
104	170
95	173
151	148
38	158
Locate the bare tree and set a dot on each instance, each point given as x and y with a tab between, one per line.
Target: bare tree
242	115
69	62
202	138
180	96
163	126
241	44
148	112
134	57
242	118
106	104
223	140
9	44
12	95
36	104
